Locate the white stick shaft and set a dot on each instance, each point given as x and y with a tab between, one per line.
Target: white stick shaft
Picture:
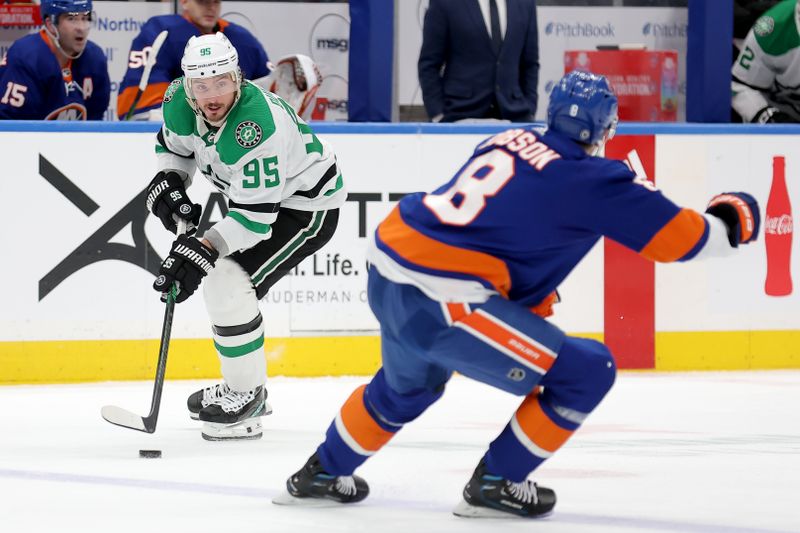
151	59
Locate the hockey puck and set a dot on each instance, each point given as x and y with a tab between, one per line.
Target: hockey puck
150	454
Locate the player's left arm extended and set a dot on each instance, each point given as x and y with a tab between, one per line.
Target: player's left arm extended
634	213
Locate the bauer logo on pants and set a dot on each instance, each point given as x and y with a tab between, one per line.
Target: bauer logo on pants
248	134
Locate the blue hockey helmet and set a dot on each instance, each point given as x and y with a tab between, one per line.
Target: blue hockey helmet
55	8
582	107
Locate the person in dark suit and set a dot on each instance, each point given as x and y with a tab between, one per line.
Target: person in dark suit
490	53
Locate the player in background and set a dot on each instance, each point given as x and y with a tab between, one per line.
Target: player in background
200	17
284	190
57	73
461	279
766	75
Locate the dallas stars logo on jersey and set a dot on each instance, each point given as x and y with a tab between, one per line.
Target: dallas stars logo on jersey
173	87
764	26
248	134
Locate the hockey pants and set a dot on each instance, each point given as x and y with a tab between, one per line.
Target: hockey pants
498	342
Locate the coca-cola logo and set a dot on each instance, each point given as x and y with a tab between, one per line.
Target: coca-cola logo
780	225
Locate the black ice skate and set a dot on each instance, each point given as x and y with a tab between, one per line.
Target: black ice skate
235	416
205	397
312	486
490	496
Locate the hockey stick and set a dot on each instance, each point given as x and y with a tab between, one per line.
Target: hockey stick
148	67
123	417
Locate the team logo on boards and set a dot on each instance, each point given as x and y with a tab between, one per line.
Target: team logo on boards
103	244
248	134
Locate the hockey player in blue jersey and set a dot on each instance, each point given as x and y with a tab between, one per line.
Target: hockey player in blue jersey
200	17
57	73
461	279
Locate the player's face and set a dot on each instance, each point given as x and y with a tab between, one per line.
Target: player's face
204	13
215	95
73	31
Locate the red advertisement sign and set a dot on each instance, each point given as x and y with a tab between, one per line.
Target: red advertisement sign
629	287
20	15
645	81
778	233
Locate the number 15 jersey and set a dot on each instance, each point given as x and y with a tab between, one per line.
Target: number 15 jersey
519	216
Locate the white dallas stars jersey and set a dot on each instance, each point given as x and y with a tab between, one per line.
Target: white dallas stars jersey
262	158
767	72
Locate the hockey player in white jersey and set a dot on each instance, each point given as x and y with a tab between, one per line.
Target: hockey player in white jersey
766	75
284	191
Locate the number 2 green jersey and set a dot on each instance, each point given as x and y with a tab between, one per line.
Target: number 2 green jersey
263	157
767	71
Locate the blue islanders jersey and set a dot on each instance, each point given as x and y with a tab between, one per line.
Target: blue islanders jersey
520	215
33	86
252	59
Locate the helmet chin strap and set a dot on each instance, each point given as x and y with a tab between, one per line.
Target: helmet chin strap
56	38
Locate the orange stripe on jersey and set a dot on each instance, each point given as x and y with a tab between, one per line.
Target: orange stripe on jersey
674	240
456	311
152	95
222	24
421	250
537	426
46	38
509	340
360	426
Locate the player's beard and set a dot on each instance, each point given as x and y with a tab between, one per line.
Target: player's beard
215	111
221	114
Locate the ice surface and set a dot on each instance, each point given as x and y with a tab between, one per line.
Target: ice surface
689	452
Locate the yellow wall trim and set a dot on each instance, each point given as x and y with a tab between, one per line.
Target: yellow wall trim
727	350
80	361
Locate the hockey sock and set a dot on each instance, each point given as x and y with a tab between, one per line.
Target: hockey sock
353	436
368	420
241	354
534	433
581	376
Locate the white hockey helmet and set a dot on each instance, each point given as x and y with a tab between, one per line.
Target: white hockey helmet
206	57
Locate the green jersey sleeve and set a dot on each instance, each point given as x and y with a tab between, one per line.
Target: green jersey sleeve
174	146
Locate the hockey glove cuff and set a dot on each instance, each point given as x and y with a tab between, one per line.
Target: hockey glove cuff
187	264
772	115
167	199
739	211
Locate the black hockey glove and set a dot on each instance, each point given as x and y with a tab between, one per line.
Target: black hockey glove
188	263
167	199
739	211
772	115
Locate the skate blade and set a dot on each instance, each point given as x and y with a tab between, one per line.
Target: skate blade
266	411
249	429
287	499
466	510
